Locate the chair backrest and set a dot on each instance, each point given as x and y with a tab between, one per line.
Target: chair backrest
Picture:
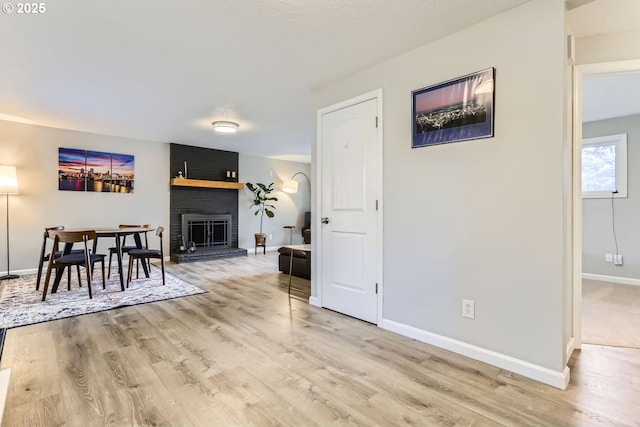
47	234
74	236
146	241
70	237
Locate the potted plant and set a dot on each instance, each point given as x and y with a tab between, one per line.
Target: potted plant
262	201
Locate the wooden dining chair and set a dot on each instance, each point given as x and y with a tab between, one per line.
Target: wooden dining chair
67	259
146	255
44	256
125	249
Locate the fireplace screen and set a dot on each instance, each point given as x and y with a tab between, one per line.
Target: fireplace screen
207	231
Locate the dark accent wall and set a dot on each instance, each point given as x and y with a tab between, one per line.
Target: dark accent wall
208	164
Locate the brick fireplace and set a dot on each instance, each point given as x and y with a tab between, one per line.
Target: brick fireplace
208	217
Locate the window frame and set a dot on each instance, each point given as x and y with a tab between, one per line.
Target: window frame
620	142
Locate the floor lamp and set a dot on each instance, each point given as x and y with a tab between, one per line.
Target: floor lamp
291	185
8	185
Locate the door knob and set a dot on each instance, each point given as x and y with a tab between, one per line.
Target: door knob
324	220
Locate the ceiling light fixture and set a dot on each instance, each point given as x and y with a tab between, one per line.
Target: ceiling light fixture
225	127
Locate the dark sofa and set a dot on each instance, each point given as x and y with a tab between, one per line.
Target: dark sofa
301	259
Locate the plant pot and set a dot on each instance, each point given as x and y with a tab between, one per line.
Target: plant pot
261	241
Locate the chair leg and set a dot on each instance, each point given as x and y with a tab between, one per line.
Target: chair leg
68	278
104	283
88	268
130	270
79	275
46	283
42	260
109	274
162	267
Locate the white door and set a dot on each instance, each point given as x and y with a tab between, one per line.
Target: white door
349	224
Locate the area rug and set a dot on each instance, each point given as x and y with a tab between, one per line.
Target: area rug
21	304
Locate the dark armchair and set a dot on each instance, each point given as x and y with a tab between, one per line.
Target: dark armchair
301	259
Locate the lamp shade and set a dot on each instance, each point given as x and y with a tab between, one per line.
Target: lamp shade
290	186
8	180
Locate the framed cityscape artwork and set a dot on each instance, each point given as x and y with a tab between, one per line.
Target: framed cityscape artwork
456	110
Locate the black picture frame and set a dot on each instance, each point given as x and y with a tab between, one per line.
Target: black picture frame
460	109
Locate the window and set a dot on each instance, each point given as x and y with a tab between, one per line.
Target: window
604	166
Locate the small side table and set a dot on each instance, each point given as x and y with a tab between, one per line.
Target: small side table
306	248
291	228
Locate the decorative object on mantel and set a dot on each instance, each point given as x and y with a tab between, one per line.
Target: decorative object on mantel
232	176
203	183
262	202
8	185
291	186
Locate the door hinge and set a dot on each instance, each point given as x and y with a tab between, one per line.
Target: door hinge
376	121
376	204
376	289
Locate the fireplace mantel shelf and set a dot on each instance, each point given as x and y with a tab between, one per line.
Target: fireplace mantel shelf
202	183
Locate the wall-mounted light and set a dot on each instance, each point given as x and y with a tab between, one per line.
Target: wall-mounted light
225	127
291	186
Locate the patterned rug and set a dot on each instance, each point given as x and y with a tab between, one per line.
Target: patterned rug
21	304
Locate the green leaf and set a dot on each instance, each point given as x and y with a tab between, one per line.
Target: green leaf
269	213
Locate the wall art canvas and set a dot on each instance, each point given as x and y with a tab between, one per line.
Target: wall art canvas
97	171
456	110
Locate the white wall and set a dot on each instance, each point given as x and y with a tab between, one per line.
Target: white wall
34	151
290	208
597	213
483	219
608	47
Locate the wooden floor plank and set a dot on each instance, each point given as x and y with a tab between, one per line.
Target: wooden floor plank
245	353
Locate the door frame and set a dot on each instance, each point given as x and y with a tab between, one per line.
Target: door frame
579	72
317	241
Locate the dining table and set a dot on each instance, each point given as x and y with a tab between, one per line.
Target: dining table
115	232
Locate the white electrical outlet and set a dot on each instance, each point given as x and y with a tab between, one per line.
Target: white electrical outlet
468	308
270	236
617	259
608	257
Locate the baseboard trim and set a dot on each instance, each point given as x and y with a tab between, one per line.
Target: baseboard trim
539	373
5	374
571	345
612	279
314	301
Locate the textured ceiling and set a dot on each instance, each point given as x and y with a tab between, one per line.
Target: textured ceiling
163	71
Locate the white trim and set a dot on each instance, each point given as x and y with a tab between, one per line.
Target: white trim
377	95
579	71
5	375
570	348
612	279
522	367
25	272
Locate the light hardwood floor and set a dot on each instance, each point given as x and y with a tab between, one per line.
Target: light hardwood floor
246	354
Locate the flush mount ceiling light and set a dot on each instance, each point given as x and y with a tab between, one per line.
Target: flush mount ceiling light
225	127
